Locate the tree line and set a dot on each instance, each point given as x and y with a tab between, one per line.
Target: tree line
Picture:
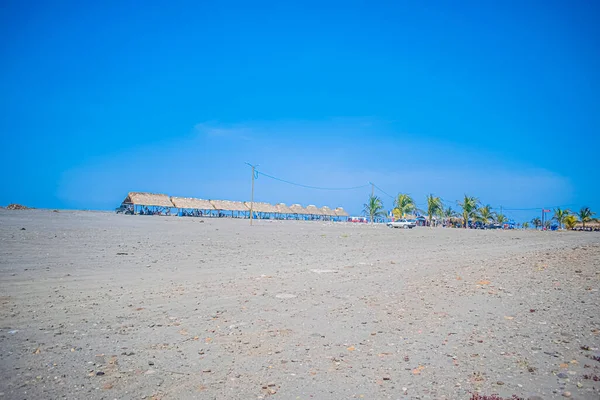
471	210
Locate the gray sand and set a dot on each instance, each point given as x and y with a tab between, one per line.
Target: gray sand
102	306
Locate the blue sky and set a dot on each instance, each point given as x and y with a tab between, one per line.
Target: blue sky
494	99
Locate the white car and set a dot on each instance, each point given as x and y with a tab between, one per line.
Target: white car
403	223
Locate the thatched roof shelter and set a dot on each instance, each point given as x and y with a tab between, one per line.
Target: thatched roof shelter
313	210
298	209
148	199
262	207
589	224
192	203
283	209
328	211
226	205
340	212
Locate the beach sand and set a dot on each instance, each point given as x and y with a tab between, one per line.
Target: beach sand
101	306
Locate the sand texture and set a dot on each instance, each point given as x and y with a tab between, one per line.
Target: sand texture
102	306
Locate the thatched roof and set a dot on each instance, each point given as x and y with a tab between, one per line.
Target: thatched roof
298	209
590	224
283	209
313	210
262	207
328	211
148	199
189	202
340	212
226	205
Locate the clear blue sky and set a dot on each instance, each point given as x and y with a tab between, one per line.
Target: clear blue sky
495	99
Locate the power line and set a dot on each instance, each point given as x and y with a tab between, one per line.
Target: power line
309	186
382	191
447	202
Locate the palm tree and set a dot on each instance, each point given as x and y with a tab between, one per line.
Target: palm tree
500	219
570	221
548	224
434	207
486	214
448	214
585	215
469	206
374	208
403	204
525	225
560	215
537	222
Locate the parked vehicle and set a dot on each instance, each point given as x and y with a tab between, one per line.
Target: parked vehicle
493	226
403	223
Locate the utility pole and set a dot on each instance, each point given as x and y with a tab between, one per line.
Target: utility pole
372	195
252	193
543	215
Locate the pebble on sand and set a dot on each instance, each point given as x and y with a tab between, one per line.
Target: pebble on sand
285	296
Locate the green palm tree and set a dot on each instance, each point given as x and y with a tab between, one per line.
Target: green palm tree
486	214
560	215
469	206
500	219
570	221
537	222
448	214
434	207
548	224
525	225
585	215
403	204
374	208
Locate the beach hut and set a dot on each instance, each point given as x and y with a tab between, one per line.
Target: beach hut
299	211
328	213
314	212
589	226
234	208
262	210
284	211
148	203
189	206
341	214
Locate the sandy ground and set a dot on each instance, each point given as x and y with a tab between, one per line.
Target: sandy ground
102	306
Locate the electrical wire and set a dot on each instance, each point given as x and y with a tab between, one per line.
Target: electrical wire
257	173
309	186
381	190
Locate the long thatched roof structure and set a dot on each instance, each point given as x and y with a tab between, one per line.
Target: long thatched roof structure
226	205
298	209
589	224
262	207
148	199
313	210
283	209
340	212
163	200
192	203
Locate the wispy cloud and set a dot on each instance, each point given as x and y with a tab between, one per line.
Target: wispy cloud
222	131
